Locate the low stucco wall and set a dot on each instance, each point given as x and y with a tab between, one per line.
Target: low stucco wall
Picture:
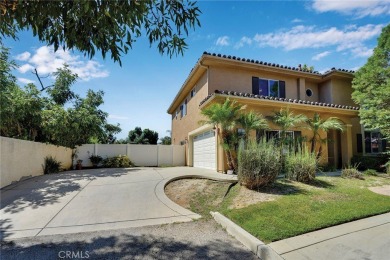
20	158
139	154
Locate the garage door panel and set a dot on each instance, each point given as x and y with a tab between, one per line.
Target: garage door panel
204	150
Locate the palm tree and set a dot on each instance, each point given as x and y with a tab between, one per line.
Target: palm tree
316	124
286	120
224	116
252	121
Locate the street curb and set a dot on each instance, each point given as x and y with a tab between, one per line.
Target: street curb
160	191
258	247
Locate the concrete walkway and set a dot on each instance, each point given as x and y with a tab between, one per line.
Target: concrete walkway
93	200
367	238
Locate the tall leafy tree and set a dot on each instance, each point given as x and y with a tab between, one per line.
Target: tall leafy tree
371	86
139	136
110	131
106	26
252	121
166	140
224	116
316	124
51	113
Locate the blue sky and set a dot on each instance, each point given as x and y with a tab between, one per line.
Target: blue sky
320	33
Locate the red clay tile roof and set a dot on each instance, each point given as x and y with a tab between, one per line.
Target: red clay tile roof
287	100
277	65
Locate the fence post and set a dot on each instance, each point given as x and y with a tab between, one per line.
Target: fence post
173	154
128	151
158	159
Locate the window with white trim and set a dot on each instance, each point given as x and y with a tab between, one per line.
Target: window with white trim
268	87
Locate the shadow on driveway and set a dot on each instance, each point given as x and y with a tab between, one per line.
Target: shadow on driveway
127	247
46	190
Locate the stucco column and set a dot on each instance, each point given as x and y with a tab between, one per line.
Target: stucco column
346	145
190	150
301	89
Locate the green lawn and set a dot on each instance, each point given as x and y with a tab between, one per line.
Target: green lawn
327	202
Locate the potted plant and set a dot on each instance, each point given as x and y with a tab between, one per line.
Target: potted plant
79	165
95	160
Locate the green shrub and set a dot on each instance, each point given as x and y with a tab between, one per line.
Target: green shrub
95	159
370	172
370	162
120	161
258	164
301	166
329	167
351	171
51	165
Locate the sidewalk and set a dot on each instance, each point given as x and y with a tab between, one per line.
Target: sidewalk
367	238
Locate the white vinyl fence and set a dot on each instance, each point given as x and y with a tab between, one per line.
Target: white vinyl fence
20	158
139	154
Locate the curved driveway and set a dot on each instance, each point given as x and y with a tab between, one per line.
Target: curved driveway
92	200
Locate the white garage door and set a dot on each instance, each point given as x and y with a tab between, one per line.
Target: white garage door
204	150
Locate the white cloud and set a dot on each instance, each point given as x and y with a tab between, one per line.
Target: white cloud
243	41
23	56
117	117
299	37
321	55
222	41
24	68
46	61
358	8
296	20
25	81
362	51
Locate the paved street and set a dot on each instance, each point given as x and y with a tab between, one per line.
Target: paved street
190	240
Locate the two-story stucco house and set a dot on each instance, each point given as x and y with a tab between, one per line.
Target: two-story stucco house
265	88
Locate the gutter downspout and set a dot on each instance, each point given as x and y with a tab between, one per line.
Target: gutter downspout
207	68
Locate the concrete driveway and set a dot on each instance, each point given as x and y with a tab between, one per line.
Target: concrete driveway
93	200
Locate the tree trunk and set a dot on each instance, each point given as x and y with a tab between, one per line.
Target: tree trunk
313	144
228	152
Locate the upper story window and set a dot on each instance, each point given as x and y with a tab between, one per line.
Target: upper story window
193	92
268	87
183	109
176	114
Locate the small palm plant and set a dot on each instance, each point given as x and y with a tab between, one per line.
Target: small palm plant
252	121
316	124
224	116
286	120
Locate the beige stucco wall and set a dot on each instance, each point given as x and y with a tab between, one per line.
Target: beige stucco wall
342	92
325	92
20	158
181	126
221	78
314	88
